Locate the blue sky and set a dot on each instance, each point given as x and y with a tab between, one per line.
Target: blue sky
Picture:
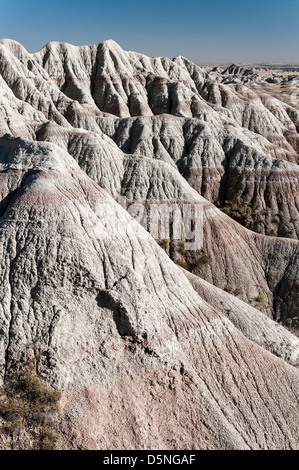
203	31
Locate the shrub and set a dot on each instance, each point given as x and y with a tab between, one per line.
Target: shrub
27	403
199	262
183	264
272	255
238	211
31	389
228	289
259	298
205	259
48	439
13	408
164	243
181	248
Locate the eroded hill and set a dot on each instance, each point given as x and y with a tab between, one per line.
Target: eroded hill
145	353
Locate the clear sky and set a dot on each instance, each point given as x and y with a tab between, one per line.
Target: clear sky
203	31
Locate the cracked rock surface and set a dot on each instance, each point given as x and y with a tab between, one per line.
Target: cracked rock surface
148	355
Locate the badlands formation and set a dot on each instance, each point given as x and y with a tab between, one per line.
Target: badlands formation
151	345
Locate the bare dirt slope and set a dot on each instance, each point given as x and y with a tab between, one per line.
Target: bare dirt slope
145	354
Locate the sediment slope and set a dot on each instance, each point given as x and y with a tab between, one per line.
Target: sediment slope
145	354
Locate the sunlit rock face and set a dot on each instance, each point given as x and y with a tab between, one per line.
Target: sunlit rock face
145	353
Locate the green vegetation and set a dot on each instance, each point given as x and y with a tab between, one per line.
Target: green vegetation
27	408
164	243
181	248
48	439
199	262
183	264
259	298
272	255
228	289
193	261
238	211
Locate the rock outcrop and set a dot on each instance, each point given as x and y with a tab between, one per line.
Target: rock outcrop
146	354
217	138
